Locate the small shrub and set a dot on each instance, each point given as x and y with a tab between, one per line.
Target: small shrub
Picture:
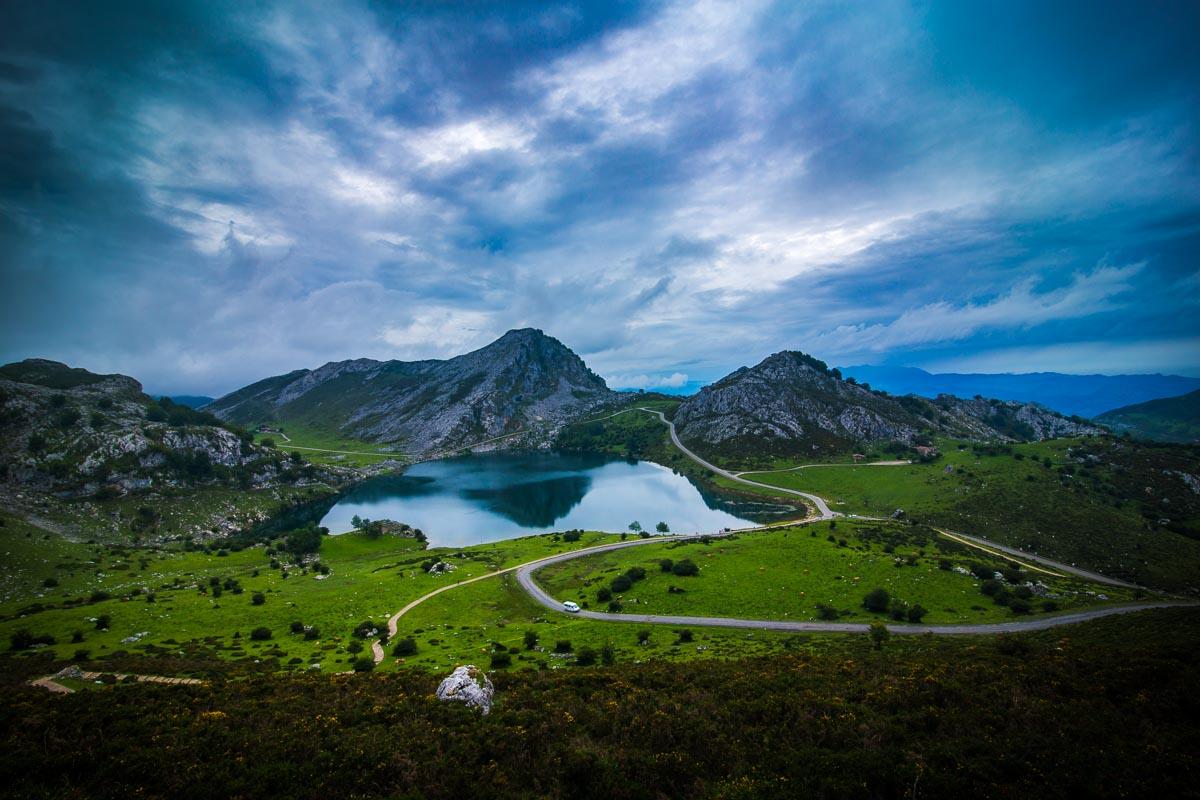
405	647
917	612
353	646
614	607
363	664
531	639
1019	606
563	646
666	565
1049	605
501	660
50	583
685	636
585	657
297	627
102	622
260	634
604	594
876	600
312	633
608	654
571	536
643	635
685	568
879	634
620	584
826	612
258	598
991	587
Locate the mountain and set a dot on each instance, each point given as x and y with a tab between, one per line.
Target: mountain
525	380
793	404
75	434
1170	419
1086	395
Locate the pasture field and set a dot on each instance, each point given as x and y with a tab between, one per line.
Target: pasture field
787	574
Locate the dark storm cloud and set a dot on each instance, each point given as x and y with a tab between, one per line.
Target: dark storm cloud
201	194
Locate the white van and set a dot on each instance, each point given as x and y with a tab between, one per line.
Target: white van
571	605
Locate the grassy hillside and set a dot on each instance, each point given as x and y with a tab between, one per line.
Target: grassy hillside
979	717
1096	502
1171	419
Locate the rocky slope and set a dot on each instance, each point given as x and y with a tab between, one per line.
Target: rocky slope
524	380
793	404
73	435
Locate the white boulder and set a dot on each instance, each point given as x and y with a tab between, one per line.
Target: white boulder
468	685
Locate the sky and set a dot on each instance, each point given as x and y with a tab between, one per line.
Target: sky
205	194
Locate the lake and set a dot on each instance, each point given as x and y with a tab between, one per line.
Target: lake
485	498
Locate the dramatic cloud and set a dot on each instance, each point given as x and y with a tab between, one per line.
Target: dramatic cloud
203	194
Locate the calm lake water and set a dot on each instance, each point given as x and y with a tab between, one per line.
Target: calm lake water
484	498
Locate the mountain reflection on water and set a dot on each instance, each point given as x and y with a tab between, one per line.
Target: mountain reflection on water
483	498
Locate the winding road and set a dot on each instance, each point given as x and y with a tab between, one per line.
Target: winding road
525	576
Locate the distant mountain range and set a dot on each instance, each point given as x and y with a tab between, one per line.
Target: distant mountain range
792	404
1170	419
1085	395
523	381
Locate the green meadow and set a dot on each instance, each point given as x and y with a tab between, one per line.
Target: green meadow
786	574
322	447
162	601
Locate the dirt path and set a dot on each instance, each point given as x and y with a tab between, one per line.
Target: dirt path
50	683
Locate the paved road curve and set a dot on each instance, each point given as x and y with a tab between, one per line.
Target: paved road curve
823	510
526	581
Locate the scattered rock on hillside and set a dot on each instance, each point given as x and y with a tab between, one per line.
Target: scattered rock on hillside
469	685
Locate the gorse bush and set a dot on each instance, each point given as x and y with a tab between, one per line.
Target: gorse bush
1121	685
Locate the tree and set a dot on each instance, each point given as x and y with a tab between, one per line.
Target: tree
877	600
635	526
585	657
608	654
879	634
917	612
666	564
296	457
531	639
363	664
621	583
356	521
662	527
405	647
572	536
